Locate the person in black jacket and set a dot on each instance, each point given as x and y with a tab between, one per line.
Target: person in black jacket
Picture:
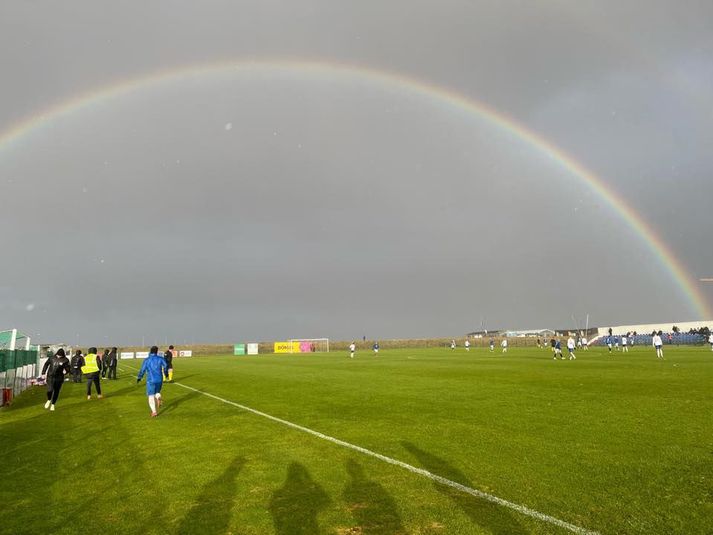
56	367
105	363
111	364
76	364
168	357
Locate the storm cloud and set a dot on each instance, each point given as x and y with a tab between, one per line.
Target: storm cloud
272	201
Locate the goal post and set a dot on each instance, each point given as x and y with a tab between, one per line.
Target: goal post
309	345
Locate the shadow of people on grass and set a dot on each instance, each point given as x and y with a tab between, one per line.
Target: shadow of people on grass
212	512
174	404
294	507
373	508
177	379
109	393
488	515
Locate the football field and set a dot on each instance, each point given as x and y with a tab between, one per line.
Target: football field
412	441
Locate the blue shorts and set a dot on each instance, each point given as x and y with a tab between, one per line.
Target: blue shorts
658	347
153	388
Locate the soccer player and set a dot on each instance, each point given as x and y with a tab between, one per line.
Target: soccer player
558	349
352	349
155	369
658	344
616	342
553	343
376	348
504	345
710	340
624	344
467	345
585	344
453	344
570	348
609	343
168	357
492	345
539	343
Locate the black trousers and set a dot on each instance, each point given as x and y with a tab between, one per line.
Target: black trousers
53	388
93	378
112	372
77	375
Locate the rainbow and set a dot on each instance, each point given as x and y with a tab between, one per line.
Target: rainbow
442	95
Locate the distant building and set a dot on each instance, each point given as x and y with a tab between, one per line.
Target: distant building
530	333
510	333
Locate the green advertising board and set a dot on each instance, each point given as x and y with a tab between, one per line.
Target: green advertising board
239	349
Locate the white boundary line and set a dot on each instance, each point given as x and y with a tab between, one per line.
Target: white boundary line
434	477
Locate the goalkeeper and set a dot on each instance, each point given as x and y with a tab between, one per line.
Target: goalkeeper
155	369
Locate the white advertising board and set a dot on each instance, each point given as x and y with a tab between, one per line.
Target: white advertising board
252	349
142	354
127	355
186	353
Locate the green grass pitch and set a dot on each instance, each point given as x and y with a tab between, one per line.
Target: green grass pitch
617	443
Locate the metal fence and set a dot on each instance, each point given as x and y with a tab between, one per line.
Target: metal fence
17	367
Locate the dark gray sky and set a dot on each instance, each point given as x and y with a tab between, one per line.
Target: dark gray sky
266	204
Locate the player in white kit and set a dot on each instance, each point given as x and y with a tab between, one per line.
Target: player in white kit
570	348
624	344
658	344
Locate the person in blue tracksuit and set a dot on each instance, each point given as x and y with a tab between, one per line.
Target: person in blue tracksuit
155	369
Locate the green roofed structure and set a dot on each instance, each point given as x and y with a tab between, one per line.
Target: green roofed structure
18	363
14	339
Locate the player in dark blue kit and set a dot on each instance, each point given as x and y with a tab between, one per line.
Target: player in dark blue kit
155	369
558	349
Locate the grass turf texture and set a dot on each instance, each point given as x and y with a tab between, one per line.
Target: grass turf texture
617	443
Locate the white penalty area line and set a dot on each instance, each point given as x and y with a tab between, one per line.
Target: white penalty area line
413	469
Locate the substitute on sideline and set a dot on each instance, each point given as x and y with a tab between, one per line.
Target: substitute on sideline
156	369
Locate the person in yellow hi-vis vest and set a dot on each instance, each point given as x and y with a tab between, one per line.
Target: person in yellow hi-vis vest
91	372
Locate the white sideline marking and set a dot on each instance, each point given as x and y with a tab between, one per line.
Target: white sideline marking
434	477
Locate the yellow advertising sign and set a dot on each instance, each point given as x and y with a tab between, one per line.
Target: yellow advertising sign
283	347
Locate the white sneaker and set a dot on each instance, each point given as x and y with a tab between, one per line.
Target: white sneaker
47	405
51	407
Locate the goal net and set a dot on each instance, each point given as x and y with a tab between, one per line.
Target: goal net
310	345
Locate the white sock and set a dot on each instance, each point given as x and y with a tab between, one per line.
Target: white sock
152	403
